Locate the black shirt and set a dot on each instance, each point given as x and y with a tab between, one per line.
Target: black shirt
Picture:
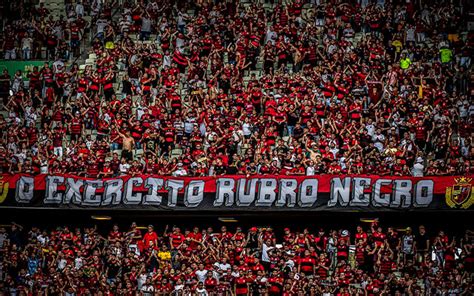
298	132
127	87
219	169
421	242
15	237
292	119
4	84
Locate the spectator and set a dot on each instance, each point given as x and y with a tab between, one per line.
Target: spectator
418	167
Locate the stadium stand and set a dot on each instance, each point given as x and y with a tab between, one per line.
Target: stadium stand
101	89
255	261
240	88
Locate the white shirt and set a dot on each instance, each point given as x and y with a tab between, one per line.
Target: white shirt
167	60
42	239
342	162
124	168
290	263
246	129
370	129
89	144
201	275
181	19
178	288
410	34
462	110
418	169
265	249
140	112
141	279
30	117
180	173
26	43
21	156
62	263
225	266
101	24
79	9
146	24
78	262
57	65
378	140
146	289
271	36
310	171
179	42
237	135
210	137
201	292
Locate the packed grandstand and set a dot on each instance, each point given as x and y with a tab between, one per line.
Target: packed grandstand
196	88
368	260
112	90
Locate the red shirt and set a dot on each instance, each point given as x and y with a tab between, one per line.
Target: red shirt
379	238
276	285
176	239
194	236
307	264
321	271
361	236
241	287
150	237
115	235
210	284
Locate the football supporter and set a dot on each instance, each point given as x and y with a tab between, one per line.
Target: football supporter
203	88
84	261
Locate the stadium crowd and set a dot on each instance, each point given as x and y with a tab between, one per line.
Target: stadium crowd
372	261
197	88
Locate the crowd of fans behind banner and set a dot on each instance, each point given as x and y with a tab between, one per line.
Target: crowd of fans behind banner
373	260
198	88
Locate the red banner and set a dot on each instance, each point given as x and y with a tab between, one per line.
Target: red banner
338	192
